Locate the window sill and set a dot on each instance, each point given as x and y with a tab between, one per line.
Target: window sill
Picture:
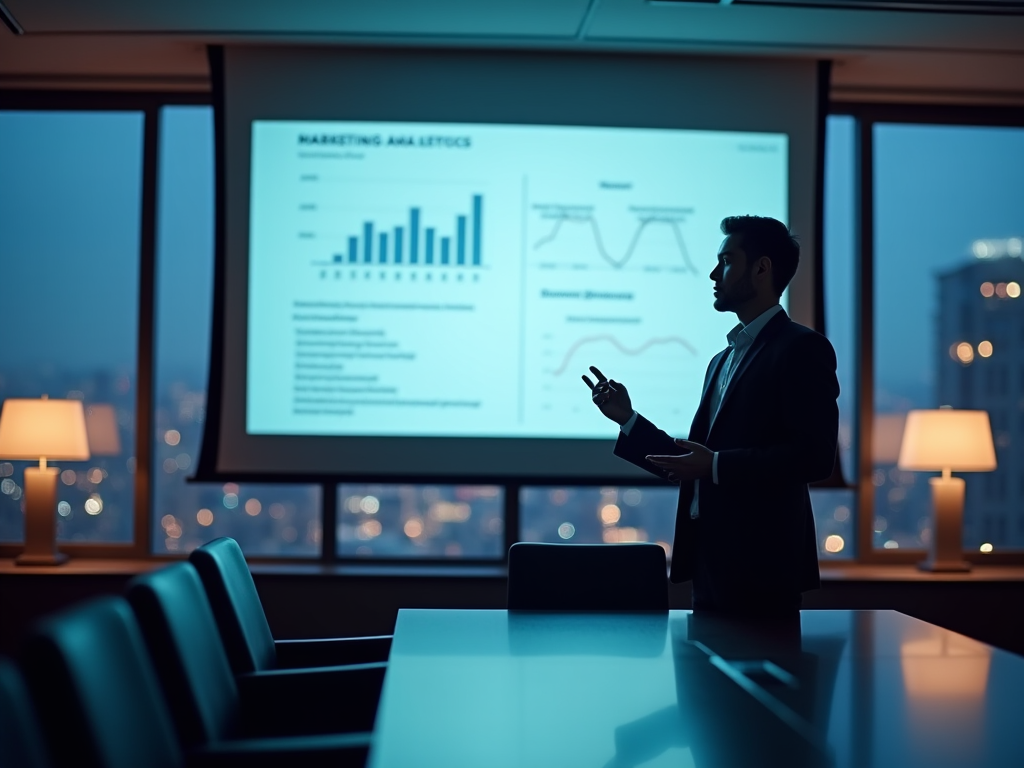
910	573
81	566
129	567
830	571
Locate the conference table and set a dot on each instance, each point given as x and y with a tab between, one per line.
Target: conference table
865	689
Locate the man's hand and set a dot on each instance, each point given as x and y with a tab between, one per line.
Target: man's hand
611	397
689	466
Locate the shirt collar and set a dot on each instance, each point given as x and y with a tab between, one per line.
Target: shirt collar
743	335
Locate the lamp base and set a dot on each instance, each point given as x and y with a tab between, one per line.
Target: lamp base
951	566
41	518
946	552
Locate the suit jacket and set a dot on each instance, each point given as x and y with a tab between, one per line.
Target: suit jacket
775	432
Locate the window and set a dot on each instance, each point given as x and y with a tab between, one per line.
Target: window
947	235
598	515
279	519
421	521
70	201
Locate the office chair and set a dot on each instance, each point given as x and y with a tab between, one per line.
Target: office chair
21	740
96	694
208	702
100	704
243	624
587	577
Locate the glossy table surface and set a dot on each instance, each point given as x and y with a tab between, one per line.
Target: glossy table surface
836	688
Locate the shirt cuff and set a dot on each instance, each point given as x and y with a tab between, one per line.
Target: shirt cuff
624	428
714	468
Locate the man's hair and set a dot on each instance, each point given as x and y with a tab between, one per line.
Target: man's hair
763	236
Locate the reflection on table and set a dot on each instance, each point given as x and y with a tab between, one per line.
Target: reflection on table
832	688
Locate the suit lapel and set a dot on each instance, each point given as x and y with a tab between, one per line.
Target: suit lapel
716	367
773	327
703	416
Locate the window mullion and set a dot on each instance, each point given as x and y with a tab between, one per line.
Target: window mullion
147	327
864	341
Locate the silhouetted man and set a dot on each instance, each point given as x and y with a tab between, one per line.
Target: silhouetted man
766	426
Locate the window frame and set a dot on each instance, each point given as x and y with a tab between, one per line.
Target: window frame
149	103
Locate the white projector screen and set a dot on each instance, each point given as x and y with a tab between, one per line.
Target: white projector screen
415	280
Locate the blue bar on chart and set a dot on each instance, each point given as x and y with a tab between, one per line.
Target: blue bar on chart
414	234
460	248
478	204
368	242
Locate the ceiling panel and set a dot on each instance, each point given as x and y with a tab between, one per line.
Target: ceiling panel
484	18
879	55
731	27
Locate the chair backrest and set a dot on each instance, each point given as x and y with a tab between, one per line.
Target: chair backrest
587	577
96	691
184	643
236	605
21	740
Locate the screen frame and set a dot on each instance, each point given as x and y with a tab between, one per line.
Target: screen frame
805	294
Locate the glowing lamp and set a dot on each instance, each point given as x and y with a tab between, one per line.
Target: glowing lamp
947	440
40	430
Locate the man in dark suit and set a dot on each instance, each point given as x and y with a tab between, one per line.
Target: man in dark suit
767	425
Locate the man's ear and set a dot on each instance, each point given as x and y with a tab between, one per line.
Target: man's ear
764	265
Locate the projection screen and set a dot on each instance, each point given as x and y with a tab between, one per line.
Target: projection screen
423	250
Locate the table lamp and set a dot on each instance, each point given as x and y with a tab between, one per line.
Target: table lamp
947	440
41	430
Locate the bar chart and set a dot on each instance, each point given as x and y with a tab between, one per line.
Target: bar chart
400	245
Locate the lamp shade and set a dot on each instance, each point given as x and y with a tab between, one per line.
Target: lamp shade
32	429
960	441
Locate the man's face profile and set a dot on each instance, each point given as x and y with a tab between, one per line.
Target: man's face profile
734	283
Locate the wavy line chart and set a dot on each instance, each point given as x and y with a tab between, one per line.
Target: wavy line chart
624	349
583	215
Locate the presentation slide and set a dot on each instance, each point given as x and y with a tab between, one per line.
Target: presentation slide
455	280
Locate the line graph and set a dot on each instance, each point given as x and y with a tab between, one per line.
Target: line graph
647	216
614	341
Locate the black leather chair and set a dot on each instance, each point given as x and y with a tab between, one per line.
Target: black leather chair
100	703
209	703
587	577
243	624
21	740
95	691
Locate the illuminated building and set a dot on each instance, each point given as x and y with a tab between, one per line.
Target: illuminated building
981	365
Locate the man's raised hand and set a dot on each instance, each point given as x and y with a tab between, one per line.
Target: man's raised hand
610	397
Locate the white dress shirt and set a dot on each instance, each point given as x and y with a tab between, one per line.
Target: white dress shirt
740	339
